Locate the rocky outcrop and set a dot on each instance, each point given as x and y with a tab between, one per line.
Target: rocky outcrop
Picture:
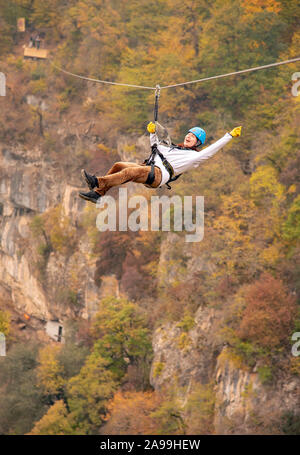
20	200
245	405
195	354
30	184
174	253
185	356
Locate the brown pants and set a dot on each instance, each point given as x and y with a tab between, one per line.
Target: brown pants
122	172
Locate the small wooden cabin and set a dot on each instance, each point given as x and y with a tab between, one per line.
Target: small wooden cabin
34	53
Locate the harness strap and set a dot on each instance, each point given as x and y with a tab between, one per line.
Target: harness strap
157	95
151	176
167	165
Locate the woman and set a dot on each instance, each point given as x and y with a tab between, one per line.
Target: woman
168	162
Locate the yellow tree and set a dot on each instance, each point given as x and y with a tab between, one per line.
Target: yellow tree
258	6
234	251
46	14
50	371
5	322
54	422
101	38
269	196
130	413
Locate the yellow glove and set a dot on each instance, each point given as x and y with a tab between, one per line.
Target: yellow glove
236	131
151	127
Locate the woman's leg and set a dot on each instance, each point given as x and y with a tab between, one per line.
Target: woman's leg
117	167
128	172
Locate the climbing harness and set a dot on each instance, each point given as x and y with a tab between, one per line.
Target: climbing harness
150	162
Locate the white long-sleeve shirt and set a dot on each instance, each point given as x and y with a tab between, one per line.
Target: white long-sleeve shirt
184	159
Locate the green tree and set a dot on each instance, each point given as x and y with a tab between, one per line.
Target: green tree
22	401
227	37
291	227
168	416
121	335
45	14
88	394
200	409
72	357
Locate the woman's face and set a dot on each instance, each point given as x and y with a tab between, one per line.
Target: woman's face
190	140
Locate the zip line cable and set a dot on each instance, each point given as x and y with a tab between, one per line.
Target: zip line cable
234	73
158	88
98	80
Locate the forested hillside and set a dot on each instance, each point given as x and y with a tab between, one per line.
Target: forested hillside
162	336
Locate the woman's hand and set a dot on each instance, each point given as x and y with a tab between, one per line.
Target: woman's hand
236	131
151	127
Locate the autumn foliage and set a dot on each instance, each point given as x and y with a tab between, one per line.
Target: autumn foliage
130	413
249	256
269	314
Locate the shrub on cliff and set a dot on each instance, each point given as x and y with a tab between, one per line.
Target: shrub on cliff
55	230
269	316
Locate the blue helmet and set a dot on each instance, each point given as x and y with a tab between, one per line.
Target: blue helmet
199	133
